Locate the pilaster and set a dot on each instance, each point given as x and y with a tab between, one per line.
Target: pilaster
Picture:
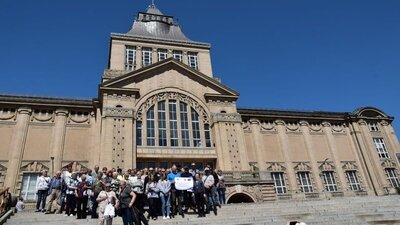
17	147
334	154
283	139
310	151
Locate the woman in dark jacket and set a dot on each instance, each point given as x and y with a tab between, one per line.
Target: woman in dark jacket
126	199
81	197
199	193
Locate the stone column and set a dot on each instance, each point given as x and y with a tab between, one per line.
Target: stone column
334	154
139	60
58	137
283	139
310	151
17	148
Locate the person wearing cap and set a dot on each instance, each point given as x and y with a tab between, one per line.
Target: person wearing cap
193	169
103	199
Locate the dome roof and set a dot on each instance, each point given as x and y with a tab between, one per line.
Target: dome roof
155	25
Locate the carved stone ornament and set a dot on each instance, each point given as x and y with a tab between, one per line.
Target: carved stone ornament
350	165
246	126
315	128
33	167
338	128
388	163
2	168
42	116
78	118
119	112
384	123
267	126
226	117
302	166
7	115
327	166
76	166
171	96
253	191
276	167
293	127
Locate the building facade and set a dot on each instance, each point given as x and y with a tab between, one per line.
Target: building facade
158	104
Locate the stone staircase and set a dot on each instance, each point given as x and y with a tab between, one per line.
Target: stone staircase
336	211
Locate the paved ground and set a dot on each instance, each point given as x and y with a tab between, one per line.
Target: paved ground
338	211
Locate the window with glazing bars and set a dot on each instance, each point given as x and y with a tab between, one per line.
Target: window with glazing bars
162	54
353	180
279	182
162	124
373	127
305	182
177	55
139	133
28	188
150	125
392	177
130	58
146	56
184	125
192	58
381	148
173	123
329	180
196	129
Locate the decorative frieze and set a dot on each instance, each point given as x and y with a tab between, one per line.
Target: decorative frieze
8	114
389	163
34	166
118	112
349	165
302	166
226	117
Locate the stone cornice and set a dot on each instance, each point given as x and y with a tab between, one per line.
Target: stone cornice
226	117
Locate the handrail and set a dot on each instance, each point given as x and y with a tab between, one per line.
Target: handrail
4	200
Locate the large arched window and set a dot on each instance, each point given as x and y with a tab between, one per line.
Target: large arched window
172	120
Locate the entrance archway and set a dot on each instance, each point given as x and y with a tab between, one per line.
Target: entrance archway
240	198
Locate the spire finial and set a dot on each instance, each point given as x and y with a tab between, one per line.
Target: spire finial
152	2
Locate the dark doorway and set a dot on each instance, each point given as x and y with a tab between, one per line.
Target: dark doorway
240	198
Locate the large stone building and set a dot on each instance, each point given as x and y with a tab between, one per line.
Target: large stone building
158	104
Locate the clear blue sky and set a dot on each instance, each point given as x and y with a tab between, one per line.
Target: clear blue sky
308	55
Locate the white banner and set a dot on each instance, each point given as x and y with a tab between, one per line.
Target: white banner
183	183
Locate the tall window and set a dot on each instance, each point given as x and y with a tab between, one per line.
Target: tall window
353	180
207	135
280	184
139	133
305	182
151	134
329	180
177	55
192	57
373	127
173	123
381	148
196	129
130	58
391	174
184	125
28	190
146	56
162	124
162	54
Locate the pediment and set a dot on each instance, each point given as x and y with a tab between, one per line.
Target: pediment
130	80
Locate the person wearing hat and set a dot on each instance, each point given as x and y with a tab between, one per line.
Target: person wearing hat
103	199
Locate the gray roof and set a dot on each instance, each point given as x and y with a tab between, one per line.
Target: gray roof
155	25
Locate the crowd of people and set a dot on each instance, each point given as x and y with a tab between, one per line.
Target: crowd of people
135	195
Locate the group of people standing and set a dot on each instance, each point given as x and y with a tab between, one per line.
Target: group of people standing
108	193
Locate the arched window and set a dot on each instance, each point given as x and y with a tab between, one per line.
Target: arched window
172	122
